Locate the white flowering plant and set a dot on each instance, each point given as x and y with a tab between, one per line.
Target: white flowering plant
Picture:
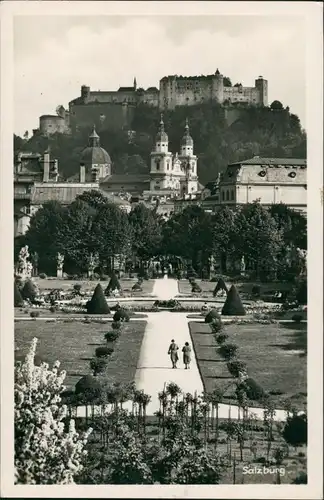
45	451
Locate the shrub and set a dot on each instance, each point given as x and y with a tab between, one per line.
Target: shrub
216	326
137	287
111	336
18	300
98	365
113	284
34	314
104	352
297	318
228	351
98	304
295	430
77	287
221	285
53	309
42	276
221	338
89	387
104	277
233	305
121	315
253	390
196	288
301	291
256	290
29	291
213	316
301	478
116	325
236	367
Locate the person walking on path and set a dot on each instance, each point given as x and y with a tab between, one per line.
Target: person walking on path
173	353
186	355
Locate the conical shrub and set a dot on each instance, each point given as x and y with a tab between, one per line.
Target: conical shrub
18	300
98	304
113	284
29	290
233	305
212	316
221	285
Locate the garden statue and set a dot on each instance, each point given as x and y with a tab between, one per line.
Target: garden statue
243	265
302	260
59	265
35	260
92	264
24	267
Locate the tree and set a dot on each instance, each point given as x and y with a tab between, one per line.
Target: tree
146	231
45	453
113	284
233	305
46	234
29	290
224	229
98	304
276	105
18	300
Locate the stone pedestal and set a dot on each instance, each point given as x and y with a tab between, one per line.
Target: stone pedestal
59	273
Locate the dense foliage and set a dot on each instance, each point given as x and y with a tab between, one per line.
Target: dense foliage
270	131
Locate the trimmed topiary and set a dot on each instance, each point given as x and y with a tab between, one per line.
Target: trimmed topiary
18	300
29	290
88	387
252	389
216	326
221	285
104	352
113	284
221	338
111	336
228	351
213	316
121	315
34	314
233	305
98	304
236	367
77	288
137	287
116	325
196	288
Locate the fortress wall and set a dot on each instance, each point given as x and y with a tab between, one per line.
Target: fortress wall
51	124
107	116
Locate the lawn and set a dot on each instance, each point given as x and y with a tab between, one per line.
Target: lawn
275	355
74	344
208	287
126	284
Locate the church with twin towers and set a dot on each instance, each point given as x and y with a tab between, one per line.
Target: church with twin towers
173	172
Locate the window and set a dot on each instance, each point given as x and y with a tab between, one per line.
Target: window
158	165
223	195
232	195
227	195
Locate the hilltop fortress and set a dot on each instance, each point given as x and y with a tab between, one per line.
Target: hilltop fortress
114	109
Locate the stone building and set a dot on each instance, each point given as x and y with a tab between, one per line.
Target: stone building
114	109
270	180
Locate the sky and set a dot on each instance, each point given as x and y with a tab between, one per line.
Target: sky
55	55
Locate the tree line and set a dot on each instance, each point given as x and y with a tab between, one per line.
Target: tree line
265	237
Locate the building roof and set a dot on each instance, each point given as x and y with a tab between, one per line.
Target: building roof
95	155
125	178
258	160
64	193
126	89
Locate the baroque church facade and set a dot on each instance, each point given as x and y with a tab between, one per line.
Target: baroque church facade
173	173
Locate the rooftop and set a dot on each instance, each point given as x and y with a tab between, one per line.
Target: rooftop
259	160
126	178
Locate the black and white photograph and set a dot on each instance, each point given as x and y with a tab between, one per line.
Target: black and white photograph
161	282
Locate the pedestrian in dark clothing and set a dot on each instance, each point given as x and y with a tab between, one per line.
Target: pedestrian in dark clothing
173	353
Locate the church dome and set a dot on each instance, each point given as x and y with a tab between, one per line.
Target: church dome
94	154
187	140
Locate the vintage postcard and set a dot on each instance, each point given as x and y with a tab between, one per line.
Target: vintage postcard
161	265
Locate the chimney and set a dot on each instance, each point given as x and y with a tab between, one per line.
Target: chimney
46	166
82	173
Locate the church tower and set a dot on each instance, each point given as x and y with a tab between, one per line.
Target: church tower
189	181
95	161
161	162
